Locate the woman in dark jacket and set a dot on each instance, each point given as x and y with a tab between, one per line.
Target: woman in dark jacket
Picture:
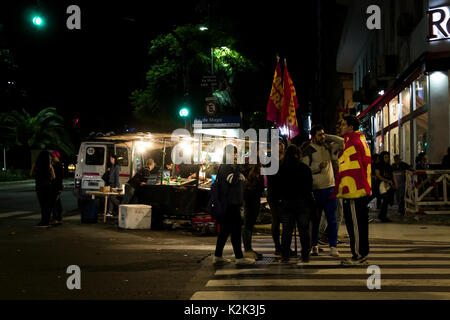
295	193
253	189
44	175
385	175
113	202
231	188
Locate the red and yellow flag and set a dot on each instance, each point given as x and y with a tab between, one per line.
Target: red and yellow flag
276	95
289	125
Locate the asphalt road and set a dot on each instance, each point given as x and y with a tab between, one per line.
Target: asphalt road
118	264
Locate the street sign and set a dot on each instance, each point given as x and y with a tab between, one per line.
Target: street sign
218	122
211	108
209	81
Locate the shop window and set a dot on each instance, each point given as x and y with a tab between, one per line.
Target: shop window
386	141
379	144
393	110
421	133
378	122
406	142
394	143
385	116
420	92
405	101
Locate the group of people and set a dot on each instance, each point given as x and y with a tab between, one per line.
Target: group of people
133	184
48	173
330	174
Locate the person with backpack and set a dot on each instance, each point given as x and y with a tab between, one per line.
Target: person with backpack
227	198
319	156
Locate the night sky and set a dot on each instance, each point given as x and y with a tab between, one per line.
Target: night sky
90	73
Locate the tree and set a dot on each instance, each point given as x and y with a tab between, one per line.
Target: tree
179	60
20	130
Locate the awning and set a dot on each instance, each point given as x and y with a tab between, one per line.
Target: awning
404	80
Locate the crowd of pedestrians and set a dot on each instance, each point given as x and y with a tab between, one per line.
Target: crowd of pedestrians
330	174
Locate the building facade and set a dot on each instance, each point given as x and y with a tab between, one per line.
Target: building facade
401	76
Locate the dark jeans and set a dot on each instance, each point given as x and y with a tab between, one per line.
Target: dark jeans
252	205
45	197
230	224
275	212
356	216
129	195
387	199
57	206
324	201
295	212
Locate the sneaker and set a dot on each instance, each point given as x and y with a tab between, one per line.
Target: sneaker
56	223
251	255
334	252
220	261
109	214
355	262
303	261
244	262
284	260
42	225
370	220
315	251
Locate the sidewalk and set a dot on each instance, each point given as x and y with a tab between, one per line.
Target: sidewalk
26	185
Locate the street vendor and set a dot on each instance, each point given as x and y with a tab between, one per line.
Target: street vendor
139	179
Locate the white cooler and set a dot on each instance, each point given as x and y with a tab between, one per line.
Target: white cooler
135	216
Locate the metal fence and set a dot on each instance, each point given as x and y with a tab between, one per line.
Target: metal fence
426	192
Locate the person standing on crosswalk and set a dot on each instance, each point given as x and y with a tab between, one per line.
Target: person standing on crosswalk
231	185
353	184
318	156
296	202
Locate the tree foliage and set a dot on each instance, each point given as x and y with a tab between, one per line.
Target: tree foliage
43	131
179	61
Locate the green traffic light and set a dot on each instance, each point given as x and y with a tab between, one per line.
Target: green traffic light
184	112
38	21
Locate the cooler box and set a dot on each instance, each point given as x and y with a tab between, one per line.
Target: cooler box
135	216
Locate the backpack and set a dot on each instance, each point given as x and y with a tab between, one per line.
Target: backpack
217	203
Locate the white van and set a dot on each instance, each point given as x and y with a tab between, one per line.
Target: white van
92	162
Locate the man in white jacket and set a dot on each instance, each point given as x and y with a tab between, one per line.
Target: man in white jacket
318	155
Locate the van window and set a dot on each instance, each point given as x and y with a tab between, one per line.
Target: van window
122	156
95	156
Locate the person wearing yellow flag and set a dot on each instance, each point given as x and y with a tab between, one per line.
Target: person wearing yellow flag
353	185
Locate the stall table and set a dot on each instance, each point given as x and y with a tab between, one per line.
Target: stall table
106	195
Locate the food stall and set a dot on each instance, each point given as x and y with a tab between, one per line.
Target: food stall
176	190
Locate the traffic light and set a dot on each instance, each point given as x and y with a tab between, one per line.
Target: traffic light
184	112
38	20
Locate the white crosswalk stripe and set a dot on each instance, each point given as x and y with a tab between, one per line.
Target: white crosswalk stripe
420	270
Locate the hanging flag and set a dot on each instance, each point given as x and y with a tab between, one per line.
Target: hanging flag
276	95
289	105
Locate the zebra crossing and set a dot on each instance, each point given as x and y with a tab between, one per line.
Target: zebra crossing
409	271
